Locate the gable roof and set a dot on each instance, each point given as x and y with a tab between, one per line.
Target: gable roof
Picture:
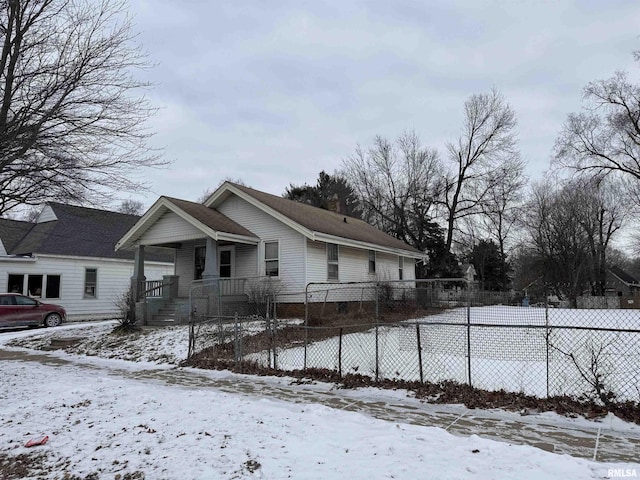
12	231
79	231
210	217
623	276
313	222
209	221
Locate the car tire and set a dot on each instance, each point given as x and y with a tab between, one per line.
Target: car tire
52	320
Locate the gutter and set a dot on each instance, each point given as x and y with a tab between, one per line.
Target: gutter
17	258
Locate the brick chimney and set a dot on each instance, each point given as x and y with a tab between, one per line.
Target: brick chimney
334	204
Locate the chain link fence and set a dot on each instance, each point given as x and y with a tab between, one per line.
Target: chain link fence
429	331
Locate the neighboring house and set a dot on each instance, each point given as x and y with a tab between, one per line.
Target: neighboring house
241	232
621	283
67	256
469	274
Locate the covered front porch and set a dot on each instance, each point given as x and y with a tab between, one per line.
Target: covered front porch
209	248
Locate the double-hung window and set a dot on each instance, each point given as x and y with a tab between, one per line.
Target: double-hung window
332	261
400	268
90	282
271	259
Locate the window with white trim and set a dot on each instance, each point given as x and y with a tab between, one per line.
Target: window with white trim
272	259
90	282
35	285
332	261
400	268
372	261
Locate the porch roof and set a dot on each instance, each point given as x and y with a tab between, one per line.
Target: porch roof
211	222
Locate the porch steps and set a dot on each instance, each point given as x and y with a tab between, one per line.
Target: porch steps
174	312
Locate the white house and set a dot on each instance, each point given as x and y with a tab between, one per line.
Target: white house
67	256
240	232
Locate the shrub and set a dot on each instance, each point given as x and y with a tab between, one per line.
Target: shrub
127	306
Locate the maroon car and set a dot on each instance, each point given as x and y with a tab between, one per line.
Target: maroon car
19	310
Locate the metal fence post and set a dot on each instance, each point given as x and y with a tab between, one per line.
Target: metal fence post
340	354
306	325
548	338
236	340
274	330
419	352
377	340
469	333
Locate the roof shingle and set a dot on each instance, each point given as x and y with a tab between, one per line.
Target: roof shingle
80	231
324	221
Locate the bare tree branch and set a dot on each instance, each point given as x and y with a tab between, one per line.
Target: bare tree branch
72	117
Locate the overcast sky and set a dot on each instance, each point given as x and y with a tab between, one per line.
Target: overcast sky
272	92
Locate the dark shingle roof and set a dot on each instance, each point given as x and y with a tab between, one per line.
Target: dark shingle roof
12	231
210	217
324	221
624	276
80	231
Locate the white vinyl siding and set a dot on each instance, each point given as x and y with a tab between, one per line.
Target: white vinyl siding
170	228
46	215
354	264
246	260
291	262
114	278
185	266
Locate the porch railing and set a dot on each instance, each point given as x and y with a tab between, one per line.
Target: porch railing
232	286
154	288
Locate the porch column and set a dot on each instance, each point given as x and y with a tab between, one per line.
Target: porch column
138	279
138	284
211	260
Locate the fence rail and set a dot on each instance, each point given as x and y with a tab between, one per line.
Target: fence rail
424	332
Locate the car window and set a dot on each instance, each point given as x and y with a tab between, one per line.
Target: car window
7	300
20	300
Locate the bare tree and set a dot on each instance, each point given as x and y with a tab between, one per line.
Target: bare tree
487	140
502	207
131	207
571	228
557	241
604	138
398	184
72	115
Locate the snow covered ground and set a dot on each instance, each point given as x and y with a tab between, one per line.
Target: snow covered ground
106	425
506	357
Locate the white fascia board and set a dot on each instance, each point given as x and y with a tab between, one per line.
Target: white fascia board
215	196
154	212
141	226
324	237
259	205
100	259
230	237
215	234
17	258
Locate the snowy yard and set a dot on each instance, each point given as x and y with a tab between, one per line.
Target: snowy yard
107	418
503	355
